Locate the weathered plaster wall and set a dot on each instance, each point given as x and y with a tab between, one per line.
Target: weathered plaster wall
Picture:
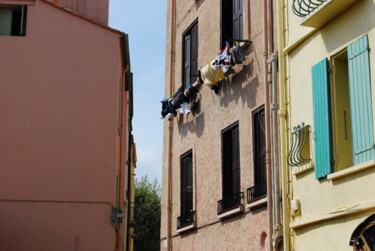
59	147
201	131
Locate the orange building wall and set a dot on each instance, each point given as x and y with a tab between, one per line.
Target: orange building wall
59	140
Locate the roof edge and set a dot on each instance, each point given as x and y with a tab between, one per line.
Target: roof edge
83	17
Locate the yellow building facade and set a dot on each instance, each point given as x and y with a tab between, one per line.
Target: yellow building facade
327	73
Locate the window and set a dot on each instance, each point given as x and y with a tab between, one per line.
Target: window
13	20
190	55
343	121
259	190
230	169
187	213
231	20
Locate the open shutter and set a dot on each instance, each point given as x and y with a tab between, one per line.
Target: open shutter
237	19
194	55
235	161
187	59
360	101
322	122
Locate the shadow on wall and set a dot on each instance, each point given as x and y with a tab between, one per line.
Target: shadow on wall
195	125
363	11
239	87
198	3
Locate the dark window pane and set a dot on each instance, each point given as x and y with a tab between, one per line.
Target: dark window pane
13	21
226	22
186	184
231	161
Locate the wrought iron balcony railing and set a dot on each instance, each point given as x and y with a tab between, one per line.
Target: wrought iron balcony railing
300	136
185	220
229	202
256	192
303	8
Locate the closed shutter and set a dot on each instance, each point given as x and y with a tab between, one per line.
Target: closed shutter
322	121
360	101
237	19
187	59
235	161
194	55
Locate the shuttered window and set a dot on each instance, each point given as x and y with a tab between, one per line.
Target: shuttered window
237	19
259	137
186	184
231	161
231	20
322	119
360	101
190	55
360	132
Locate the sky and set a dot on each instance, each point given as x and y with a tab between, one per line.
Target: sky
145	23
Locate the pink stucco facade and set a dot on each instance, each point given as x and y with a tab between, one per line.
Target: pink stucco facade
96	10
63	133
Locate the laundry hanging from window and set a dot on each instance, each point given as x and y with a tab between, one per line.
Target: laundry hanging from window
179	101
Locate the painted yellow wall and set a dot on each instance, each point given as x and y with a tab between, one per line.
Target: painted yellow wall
319	198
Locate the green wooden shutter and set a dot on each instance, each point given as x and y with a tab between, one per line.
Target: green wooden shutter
360	101
322	120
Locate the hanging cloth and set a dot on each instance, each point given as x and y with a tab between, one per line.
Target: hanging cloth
185	109
211	75
223	59
237	55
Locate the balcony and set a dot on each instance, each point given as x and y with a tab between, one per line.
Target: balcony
256	192
229	203
186	220
317	13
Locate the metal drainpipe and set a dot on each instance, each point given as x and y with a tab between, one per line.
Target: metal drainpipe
267	81
283	120
277	235
272	70
170	126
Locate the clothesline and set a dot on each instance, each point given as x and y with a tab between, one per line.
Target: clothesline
209	75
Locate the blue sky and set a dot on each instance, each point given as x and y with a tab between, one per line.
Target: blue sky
145	23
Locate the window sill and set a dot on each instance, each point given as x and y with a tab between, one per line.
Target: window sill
237	210
187	228
351	170
302	169
257	203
